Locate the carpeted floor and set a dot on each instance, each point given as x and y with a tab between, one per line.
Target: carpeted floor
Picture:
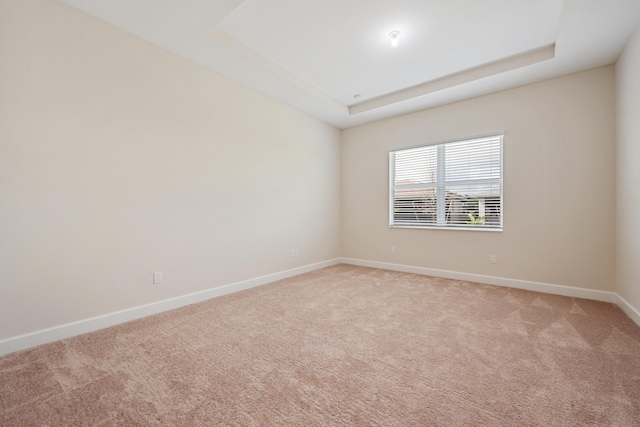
342	346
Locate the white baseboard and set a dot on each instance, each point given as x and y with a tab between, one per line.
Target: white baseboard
44	336
568	291
490	280
630	310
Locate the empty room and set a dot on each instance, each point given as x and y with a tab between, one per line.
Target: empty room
319	213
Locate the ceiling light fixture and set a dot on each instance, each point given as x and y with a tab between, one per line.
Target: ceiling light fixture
394	37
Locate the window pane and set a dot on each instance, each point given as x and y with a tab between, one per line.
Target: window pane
473	205
474	159
414	206
416	166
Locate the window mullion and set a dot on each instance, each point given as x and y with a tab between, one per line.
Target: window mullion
474	181
440	193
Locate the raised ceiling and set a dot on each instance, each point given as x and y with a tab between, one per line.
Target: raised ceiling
332	59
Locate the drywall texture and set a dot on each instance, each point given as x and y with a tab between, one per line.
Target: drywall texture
118	159
628	173
558	185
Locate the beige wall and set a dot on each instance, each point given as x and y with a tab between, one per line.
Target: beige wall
118	159
628	172
558	185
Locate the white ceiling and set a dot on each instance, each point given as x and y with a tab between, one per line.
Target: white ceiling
316	55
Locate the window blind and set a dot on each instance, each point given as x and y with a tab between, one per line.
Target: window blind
455	184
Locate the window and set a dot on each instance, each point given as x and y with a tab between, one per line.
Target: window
451	185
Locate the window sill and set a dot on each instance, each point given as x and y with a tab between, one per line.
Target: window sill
425	227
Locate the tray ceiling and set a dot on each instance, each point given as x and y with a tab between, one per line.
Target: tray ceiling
334	60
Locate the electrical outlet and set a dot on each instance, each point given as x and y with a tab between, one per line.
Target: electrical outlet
493	259
157	278
393	249
294	253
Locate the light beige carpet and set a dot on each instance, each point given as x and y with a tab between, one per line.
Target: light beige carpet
342	346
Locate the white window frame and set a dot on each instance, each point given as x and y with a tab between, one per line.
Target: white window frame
440	185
